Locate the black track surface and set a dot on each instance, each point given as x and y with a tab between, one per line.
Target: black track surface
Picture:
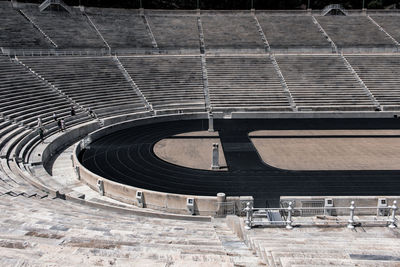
127	157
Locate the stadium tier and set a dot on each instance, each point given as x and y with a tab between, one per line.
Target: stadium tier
381	74
95	83
66	30
17	32
245	82
291	31
168	82
122	30
354	31
219	89
239	32
322	83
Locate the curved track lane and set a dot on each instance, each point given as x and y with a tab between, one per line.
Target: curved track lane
127	157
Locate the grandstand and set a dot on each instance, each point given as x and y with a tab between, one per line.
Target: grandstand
97	193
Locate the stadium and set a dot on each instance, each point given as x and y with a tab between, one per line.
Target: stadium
156	137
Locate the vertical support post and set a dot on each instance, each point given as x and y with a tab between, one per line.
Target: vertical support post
289	217
141	4
350	225
100	185
210	121
215	157
198	4
392	219
249	211
252	4
221	202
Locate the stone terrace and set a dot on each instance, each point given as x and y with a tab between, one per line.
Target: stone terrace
245	82
322	83
354	31
291	31
381	74
66	30
224	31
93	82
326	246
122	29
168	82
24	97
172	32
47	231
390	24
17	32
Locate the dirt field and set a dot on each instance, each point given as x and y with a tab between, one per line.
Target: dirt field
193	150
329	150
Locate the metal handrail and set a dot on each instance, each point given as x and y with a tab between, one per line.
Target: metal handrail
250	214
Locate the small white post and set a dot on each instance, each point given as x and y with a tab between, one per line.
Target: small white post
350	225
248	211
215	157
289	217
210	121
392	220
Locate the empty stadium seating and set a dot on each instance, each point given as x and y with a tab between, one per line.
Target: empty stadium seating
93	82
325	247
291	31
354	31
65	29
122	29
17	32
389	24
24	97
239	82
322	83
224	31
174	32
168	82
381	74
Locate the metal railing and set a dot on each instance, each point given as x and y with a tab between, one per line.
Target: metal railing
288	215
331	7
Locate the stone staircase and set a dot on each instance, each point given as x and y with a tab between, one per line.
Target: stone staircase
325	246
36	231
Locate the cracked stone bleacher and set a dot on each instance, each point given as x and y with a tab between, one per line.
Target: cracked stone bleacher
65	29
291	31
354	31
381	74
168	82
245	82
49	231
231	31
390	24
121	29
325	246
322	83
17	32
93	82
175	32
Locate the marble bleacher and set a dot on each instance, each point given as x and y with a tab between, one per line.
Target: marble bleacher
381	74
17	32
175	32
168	82
68	31
390	24
231	31
121	29
322	82
354	31
93	82
291	31
245	82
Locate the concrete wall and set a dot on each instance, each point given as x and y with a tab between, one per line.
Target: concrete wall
174	203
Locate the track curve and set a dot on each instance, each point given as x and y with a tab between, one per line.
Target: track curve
127	157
